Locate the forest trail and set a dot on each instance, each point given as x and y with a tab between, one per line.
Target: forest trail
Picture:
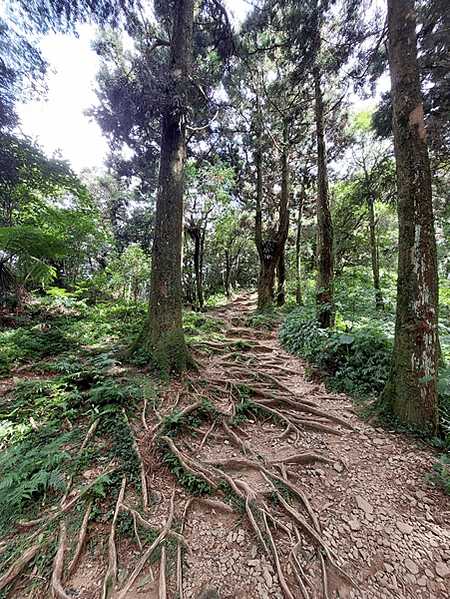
307	499
360	489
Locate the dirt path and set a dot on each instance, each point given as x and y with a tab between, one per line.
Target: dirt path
389	532
307	500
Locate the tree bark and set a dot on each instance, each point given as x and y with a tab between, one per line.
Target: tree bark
411	390
375	257
271	249
162	335
325	257
197	235
227	278
281	279
298	245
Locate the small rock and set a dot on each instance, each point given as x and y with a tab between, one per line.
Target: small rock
364	505
406	529
411	566
422	582
355	524
338	467
420	495
267	577
442	570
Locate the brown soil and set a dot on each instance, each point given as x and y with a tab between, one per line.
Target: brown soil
353	519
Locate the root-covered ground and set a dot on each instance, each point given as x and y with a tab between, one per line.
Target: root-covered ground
252	482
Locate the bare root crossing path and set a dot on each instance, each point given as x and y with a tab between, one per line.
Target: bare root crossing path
273	488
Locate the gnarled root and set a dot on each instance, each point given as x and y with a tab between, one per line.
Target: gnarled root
19	564
149	551
111	573
58	563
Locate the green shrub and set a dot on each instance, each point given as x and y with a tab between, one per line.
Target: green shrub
34	343
441	473
356	361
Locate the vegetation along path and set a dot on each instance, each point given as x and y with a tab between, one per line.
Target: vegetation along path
255	482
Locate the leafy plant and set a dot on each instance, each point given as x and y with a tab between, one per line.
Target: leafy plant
266	320
196	325
441	473
28	470
195	484
356	361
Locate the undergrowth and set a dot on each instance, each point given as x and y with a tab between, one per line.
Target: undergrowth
356	359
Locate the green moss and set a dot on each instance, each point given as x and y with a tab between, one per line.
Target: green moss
166	352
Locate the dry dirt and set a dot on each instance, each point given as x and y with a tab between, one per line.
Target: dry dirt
358	522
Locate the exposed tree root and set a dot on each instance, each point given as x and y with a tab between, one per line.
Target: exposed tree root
162	574
206	435
19	564
281	578
148	526
214	504
277	511
81	541
149	551
58	563
111	574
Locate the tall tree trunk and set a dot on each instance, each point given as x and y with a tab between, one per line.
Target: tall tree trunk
270	250
375	257
298	245
325	257
227	280
281	278
162	335
283	229
411	390
197	235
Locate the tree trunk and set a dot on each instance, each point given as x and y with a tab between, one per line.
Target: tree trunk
270	250
227	273
162	335
375	258
411	390
325	258
281	278
196	234
298	242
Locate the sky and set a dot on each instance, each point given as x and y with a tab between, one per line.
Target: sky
57	123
